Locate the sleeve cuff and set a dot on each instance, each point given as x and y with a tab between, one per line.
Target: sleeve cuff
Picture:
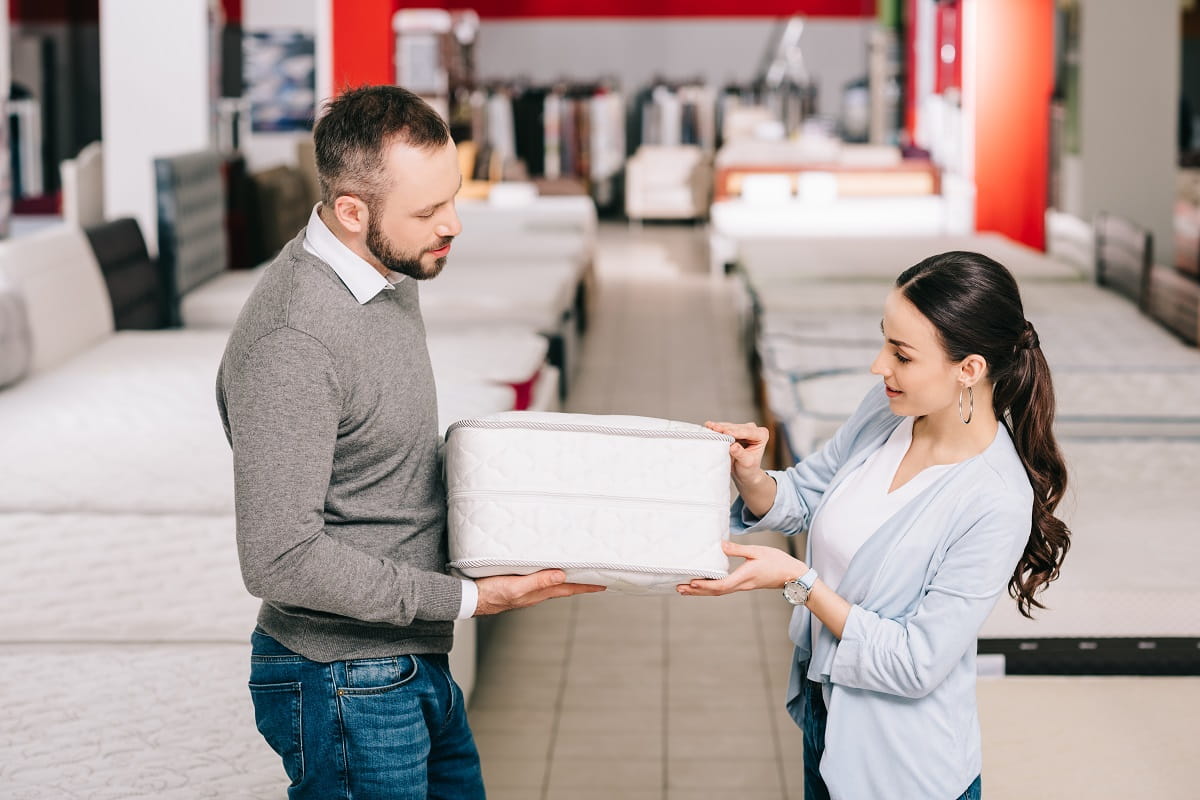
470	600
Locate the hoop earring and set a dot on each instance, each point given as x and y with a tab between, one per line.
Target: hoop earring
971	410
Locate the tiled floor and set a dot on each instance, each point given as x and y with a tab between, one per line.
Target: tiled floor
662	698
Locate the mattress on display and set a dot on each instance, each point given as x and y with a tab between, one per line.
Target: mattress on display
217	302
633	503
842	258
128	425
508	356
1129	502
134	720
1090	405
122	577
131	425
536	294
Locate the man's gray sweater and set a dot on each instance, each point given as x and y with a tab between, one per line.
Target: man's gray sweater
331	411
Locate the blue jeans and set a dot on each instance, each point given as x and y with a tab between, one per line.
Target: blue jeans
814	745
370	729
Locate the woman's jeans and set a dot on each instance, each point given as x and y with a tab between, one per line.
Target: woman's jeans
371	728
814	745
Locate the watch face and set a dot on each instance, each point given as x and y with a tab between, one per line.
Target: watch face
795	593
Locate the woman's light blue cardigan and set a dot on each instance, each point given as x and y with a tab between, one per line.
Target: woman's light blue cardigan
901	682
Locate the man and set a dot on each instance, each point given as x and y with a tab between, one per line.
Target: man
327	398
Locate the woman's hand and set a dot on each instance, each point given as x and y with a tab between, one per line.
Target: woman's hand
764	568
756	487
746	452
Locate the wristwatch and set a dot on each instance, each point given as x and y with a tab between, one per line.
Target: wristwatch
796	590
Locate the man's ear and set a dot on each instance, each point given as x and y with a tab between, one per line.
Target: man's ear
351	213
973	369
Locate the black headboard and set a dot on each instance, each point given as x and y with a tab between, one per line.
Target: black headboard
135	285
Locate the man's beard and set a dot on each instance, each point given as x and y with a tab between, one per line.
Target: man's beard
379	246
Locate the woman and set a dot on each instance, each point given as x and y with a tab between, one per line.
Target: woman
934	495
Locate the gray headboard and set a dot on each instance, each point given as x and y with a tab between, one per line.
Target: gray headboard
192	243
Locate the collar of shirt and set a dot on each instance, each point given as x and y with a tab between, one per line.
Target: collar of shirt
363	280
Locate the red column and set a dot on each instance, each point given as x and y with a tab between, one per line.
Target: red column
1014	46
362	43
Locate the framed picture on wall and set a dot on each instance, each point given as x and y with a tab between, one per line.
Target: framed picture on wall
280	80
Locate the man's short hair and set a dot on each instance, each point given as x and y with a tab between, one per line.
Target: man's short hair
356	129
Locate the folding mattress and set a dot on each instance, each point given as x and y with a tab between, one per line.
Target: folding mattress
634	503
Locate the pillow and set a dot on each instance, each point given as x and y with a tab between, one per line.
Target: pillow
16	346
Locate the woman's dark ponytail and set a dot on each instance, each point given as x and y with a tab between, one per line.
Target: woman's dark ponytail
974	303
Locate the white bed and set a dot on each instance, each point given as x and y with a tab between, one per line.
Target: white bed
794	258
127	720
1107	405
735	222
217	302
1132	508
537	228
132	425
540	296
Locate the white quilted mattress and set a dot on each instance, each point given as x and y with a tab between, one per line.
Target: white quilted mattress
1131	503
1126	403
127	720
633	503
884	258
499	355
121	578
217	302
533	294
129	425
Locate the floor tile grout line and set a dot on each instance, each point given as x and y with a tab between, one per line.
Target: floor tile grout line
772	718
559	699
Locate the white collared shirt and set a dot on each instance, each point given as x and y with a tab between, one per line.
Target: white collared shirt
365	282
362	279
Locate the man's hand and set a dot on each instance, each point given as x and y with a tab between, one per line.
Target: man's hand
506	592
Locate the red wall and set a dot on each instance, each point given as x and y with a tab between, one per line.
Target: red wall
1014	47
362	29
362	43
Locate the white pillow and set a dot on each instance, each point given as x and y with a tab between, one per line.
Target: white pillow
66	299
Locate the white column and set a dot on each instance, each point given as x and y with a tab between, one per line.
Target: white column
1129	106
155	94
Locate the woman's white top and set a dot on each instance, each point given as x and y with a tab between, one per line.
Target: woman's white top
860	505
